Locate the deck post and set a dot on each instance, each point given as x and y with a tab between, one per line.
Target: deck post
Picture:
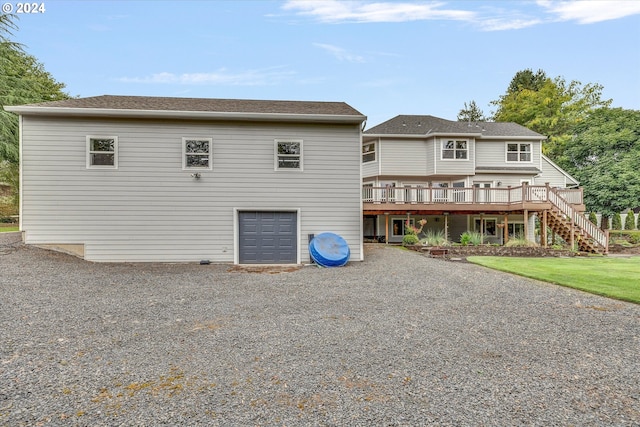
526	223
446	226
547	191
543	229
386	228
573	237
506	228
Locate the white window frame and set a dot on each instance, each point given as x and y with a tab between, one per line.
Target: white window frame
373	151
90	152
454	150
519	152
208	155
277	156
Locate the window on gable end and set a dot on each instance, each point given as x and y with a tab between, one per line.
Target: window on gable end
102	152
197	153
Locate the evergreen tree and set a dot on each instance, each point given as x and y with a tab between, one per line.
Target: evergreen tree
616	221
471	113
630	221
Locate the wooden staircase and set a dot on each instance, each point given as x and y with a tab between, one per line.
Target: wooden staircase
574	227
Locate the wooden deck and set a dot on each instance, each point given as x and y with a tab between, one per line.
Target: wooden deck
459	200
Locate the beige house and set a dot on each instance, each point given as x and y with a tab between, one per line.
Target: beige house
460	176
125	178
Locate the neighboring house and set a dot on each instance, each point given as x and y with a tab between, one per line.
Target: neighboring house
125	178
460	176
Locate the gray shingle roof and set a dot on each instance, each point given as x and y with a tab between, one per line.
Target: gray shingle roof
421	125
149	103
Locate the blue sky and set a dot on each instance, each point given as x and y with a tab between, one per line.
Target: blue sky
383	58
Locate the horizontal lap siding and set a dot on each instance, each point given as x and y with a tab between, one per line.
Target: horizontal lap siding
552	176
494	154
455	166
149	209
403	157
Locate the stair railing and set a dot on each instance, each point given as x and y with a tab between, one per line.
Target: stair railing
600	237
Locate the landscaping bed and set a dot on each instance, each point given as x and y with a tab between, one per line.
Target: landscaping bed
493	250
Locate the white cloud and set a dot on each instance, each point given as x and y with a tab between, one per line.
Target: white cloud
589	12
358	11
262	77
486	16
503	24
340	53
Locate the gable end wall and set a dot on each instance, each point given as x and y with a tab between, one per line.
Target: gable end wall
150	209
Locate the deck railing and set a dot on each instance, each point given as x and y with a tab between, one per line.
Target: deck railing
462	195
557	198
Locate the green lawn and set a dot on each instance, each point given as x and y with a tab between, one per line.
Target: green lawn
4	229
611	277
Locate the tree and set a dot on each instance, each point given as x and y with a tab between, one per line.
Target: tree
471	113
604	155
527	79
23	80
616	221
630	221
551	107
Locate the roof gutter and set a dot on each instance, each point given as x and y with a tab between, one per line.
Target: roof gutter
192	115
449	135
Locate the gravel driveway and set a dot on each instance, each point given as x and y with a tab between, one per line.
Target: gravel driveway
398	340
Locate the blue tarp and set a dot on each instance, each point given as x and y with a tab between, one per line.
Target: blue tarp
329	250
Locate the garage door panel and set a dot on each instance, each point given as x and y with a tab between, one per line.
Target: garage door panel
267	237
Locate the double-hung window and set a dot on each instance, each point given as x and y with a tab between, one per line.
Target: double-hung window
369	152
453	149
197	153
102	152
288	154
518	152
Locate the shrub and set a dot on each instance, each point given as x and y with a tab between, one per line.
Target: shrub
630	221
472	238
616	221
593	218
435	238
410	239
520	241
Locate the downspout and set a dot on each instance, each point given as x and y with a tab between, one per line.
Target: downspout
20	177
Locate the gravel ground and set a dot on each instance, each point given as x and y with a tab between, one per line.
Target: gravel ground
398	340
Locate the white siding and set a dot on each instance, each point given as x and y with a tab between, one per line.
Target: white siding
150	209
